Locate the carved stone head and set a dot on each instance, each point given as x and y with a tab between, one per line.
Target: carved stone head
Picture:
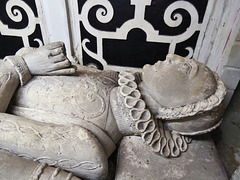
178	81
185	88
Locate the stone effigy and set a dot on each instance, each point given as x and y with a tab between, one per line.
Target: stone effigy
72	117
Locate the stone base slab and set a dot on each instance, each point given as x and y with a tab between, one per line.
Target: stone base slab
137	161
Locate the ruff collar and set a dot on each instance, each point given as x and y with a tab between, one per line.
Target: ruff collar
153	132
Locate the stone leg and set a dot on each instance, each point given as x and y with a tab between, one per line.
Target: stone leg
199	162
71	148
13	167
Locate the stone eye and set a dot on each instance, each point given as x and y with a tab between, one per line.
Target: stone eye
186	68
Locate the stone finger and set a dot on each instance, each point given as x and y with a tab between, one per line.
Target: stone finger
58	58
66	71
62	64
53	45
56	51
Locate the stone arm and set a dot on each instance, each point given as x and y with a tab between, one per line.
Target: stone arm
46	60
9	81
13	71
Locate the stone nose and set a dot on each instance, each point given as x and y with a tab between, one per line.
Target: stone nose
171	58
146	66
158	63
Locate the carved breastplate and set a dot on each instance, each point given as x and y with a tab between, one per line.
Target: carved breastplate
64	99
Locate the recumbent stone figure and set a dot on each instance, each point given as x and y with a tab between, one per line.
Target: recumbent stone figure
72	117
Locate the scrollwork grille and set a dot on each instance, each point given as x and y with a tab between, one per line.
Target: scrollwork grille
20	25
134	32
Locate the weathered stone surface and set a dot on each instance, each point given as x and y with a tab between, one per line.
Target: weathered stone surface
60	146
233	74
236	175
137	161
234	56
227	137
13	167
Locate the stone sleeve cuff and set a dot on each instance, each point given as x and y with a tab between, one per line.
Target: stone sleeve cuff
20	67
126	126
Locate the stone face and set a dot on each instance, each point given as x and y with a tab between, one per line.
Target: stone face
192	81
193	96
137	161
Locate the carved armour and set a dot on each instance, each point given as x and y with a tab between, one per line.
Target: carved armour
82	99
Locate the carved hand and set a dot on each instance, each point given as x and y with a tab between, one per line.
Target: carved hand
48	60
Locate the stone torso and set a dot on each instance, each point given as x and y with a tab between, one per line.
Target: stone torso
79	99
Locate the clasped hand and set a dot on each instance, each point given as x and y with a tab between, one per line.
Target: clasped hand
48	60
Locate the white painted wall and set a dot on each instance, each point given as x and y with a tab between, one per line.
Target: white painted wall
220	47
56	18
